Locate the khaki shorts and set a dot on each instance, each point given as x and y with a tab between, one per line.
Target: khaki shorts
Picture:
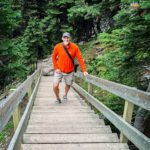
67	77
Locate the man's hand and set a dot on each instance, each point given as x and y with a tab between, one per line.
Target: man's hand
85	73
57	71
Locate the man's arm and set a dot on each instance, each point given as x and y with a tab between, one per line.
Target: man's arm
54	58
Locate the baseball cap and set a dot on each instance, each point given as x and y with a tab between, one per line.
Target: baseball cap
66	34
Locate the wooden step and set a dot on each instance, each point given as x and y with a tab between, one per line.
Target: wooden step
55	104
61	110
64	115
51	101
71	125
78	146
53	95
53	98
69	129
65	123
69	118
69	138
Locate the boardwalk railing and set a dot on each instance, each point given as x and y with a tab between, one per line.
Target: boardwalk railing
10	107
131	95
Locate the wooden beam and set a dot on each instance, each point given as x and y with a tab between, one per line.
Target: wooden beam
133	95
16	117
8	105
17	137
90	88
29	91
74	79
135	136
127	116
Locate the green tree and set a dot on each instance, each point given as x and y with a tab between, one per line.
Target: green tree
127	46
11	58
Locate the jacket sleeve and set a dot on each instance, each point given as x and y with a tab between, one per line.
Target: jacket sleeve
54	58
80	59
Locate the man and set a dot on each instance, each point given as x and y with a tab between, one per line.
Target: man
64	66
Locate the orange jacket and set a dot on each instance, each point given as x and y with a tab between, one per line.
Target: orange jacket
64	63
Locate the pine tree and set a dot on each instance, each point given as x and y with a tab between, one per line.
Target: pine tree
11	54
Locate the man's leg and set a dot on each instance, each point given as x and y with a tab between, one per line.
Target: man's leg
67	87
56	89
57	80
68	80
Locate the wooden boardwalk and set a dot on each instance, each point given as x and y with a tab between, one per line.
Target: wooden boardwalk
71	125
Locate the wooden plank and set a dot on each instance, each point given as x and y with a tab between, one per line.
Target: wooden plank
78	146
69	104
42	94
48	100
16	139
8	105
29	91
16	117
53	103
127	116
62	110
63	121
64	115
74	78
90	88
86	125
69	138
135	136
52	98
57	119
68	129
133	95
66	123
61	107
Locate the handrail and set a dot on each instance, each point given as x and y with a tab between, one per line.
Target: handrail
17	137
133	95
8	105
130	94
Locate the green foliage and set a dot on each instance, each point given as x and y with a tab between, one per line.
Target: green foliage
6	131
11	57
127	49
35	40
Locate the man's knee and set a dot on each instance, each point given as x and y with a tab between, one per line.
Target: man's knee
68	85
55	85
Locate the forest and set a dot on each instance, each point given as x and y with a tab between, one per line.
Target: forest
113	36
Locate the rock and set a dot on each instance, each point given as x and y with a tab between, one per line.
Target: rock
81	43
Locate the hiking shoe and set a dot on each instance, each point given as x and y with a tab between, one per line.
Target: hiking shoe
65	98
58	101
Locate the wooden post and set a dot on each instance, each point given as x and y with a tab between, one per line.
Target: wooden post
30	91
16	114
16	117
36	79
127	116
90	88
74	78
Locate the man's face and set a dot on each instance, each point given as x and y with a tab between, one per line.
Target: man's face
66	40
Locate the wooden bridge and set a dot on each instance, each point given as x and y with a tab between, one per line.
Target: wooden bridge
71	125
